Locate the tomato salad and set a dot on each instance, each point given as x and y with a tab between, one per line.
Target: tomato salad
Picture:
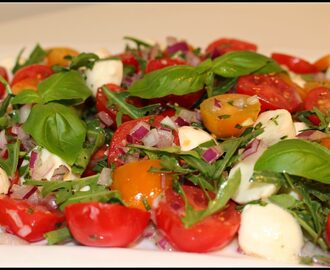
190	148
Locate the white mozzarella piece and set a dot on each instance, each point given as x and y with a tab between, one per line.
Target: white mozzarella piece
249	191
103	72
277	125
4	182
299	127
191	137
270	232
46	164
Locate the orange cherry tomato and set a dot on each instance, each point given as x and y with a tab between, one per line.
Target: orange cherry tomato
229	114
323	63
135	183
325	142
56	56
301	91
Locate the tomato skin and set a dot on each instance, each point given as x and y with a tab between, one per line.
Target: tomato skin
323	63
135	183
96	157
273	92
295	64
105	225
156	64
29	77
234	123
320	98
37	218
224	45
4	74
129	59
119	137
327	235
212	233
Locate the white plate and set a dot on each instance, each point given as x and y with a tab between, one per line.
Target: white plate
289	28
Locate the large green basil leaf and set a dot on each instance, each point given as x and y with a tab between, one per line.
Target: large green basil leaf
27	97
297	157
57	128
176	80
238	63
66	85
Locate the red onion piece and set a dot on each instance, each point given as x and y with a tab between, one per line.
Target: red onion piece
251	148
33	159
22	192
211	154
181	122
152	138
60	172
105	118
190	116
217	103
140	130
179	46
30	192
105	177
165	138
312	135
192	59
168	122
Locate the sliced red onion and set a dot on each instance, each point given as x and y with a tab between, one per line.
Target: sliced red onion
49	201
165	138
163	243
22	191
152	138
217	103
190	116
105	118
140	130
181	122
26	139
168	122
192	59
212	154
105	177
14	129
312	135
60	172
250	149
32	190
133	157
33	159
176	47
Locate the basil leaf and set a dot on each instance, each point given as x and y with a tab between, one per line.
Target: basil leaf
297	157
36	56
6	85
26	97
238	63
172	80
9	165
64	86
84	60
57	128
283	200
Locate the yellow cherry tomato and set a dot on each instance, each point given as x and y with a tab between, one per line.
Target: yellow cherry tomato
56	56
135	183
229	115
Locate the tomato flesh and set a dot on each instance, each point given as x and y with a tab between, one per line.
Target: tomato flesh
273	92
28	221
4	74
212	233
105	225
295	64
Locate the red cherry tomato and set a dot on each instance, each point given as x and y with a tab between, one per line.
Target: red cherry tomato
105	225
212	233
295	64
273	92
319	98
28	221
129	59
224	45
4	74
118	140
102	106
100	154
156	64
327	236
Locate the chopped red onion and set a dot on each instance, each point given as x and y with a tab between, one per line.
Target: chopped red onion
32	190
251	148
163	243
165	138
217	103
140	130
176	47
26	139
181	122
212	154
33	159
60	172
168	122
105	177
14	129
152	138
49	201
105	118
189	116
22	192
312	135
192	59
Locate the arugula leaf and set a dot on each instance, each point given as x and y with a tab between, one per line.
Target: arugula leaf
138	42
58	236
57	128
238	63
4	105
297	157
9	165
176	80
84	60
26	97
35	57
67	85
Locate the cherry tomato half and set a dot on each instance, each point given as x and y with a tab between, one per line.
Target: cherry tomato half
319	98
224	45
4	74
135	183
212	233
295	64
229	114
28	221
273	92
56	56
105	225
29	77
